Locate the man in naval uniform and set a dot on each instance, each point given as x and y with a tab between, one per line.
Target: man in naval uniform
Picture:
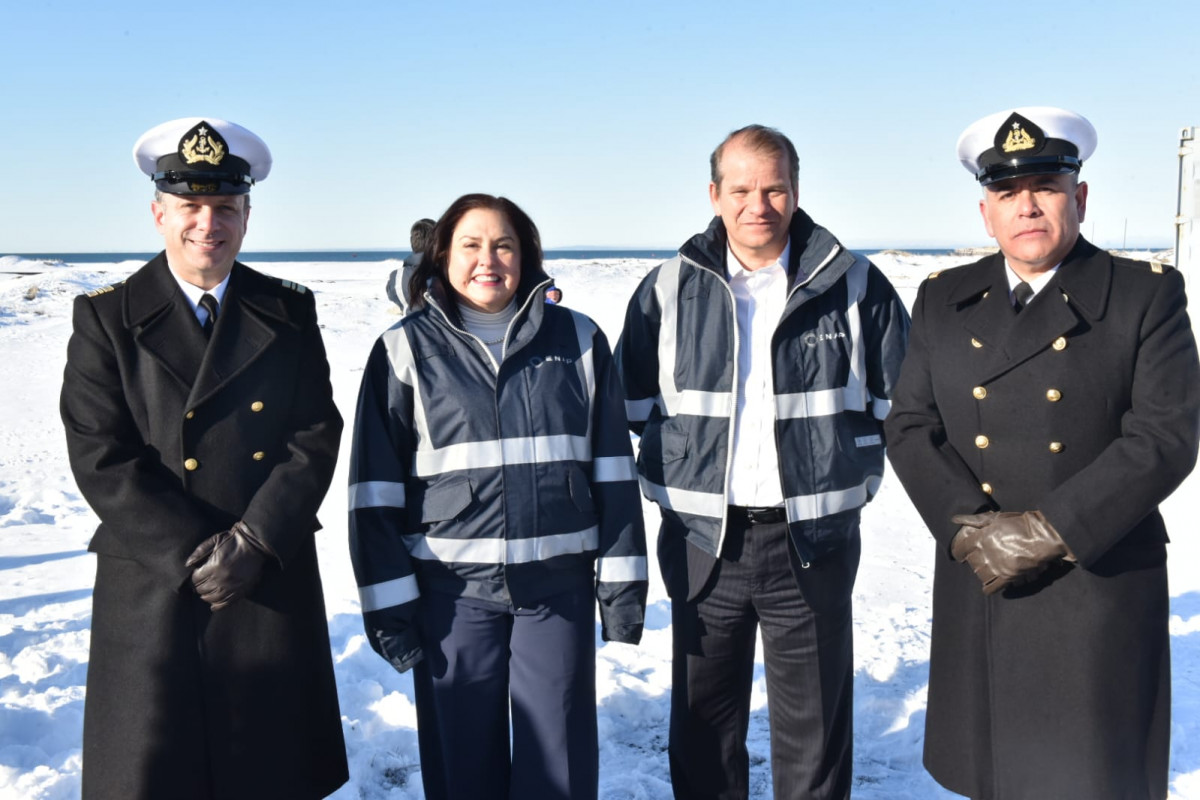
1049	402
201	429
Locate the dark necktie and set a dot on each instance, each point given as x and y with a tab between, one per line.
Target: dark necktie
1022	293
209	304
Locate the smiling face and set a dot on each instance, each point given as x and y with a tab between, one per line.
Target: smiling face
755	199
202	234
484	265
1035	219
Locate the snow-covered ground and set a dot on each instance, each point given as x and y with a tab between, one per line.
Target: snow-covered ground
46	574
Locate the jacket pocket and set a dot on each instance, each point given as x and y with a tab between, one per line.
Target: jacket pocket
446	500
580	489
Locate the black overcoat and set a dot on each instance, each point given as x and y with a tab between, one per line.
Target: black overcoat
171	439
1086	405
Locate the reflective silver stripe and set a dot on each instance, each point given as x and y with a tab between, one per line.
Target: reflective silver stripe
621	570
880	407
666	290
801	405
585	332
856	290
499	551
685	501
704	404
521	450
389	593
815	506
611	469
639	410
372	494
523	551
400	354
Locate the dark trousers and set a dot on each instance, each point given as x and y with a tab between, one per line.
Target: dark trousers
758	584
480	658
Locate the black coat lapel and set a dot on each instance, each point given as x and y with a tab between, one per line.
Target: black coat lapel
1078	290
162	321
246	326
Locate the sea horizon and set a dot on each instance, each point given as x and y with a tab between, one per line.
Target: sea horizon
350	255
104	257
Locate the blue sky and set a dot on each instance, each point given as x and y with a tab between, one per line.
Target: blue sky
597	118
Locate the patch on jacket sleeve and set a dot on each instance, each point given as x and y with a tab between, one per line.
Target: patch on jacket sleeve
104	289
1157	267
295	287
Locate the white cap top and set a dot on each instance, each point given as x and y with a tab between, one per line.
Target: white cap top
1026	141
202	155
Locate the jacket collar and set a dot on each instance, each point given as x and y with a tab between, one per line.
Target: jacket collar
163	323
813	250
1077	292
1085	276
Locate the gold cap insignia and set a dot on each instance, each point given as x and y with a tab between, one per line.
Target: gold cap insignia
203	144
1019	135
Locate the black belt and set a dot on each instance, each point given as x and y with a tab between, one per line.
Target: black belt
758	516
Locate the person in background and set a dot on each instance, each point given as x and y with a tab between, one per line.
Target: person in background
201	429
553	295
1049	403
398	288
493	503
757	366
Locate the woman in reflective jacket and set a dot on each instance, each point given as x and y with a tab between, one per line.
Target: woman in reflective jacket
493	495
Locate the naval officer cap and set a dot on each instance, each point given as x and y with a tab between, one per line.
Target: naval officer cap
1035	140
202	155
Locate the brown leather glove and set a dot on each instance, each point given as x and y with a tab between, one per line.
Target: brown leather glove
227	566
1007	547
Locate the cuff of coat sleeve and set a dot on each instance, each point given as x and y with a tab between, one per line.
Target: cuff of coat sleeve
401	649
626	634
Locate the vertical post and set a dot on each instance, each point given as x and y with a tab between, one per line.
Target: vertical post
1187	218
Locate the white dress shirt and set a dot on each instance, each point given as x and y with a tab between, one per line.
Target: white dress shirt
194	293
760	296
1037	284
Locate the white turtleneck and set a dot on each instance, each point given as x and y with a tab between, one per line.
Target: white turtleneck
490	328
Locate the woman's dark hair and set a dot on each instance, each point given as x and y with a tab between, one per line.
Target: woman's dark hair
432	268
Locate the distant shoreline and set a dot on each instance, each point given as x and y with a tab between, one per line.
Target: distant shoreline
343	256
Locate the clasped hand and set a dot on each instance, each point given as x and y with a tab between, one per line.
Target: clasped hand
1007	547
227	566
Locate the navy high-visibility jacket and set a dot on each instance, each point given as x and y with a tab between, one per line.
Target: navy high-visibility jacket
507	486
836	355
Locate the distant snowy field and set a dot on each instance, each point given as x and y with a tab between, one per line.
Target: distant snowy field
46	574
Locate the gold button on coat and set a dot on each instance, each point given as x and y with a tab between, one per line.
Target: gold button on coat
1053	395
1056	447
259	455
976	343
981	441
189	415
191	464
1060	343
256	406
987	488
979	392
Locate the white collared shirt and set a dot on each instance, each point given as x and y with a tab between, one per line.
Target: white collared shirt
760	296
1037	284
194	293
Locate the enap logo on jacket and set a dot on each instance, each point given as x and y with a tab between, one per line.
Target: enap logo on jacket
537	361
814	338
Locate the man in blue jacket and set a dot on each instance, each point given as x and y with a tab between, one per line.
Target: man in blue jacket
757	366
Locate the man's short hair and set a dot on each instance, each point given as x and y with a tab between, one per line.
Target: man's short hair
159	194
760	139
418	235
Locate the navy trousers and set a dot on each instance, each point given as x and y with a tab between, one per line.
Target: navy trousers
805	618
481	659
